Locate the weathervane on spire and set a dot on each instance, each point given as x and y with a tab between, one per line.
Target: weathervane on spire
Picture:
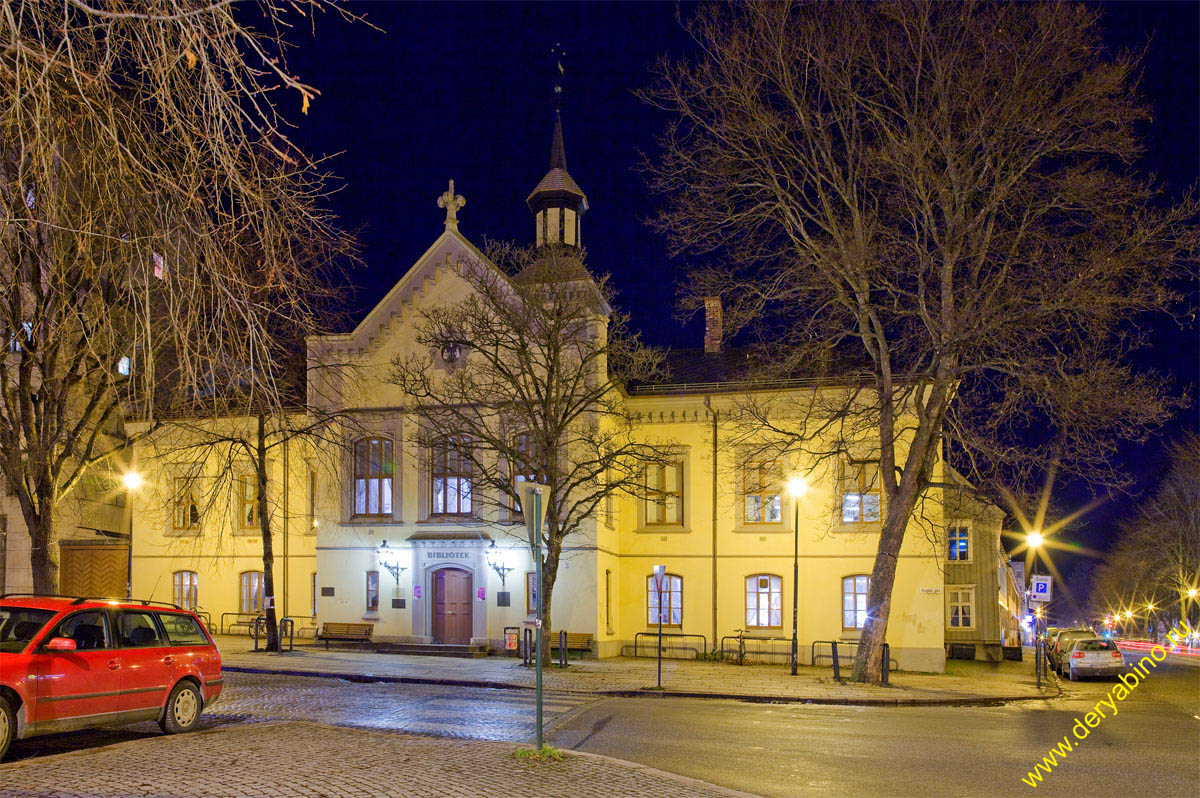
559	55
453	203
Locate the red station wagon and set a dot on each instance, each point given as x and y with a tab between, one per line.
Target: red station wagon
70	663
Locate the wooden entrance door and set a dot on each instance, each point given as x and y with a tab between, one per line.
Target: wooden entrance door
452	606
92	570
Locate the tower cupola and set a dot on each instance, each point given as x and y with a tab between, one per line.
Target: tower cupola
558	202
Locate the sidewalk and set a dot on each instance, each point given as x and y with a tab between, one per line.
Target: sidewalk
963	682
310	759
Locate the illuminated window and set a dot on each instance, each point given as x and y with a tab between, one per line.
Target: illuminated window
184	589
372	591
251	591
960	547
248	501
187	507
764	602
854	601
962	607
451	477
123	366
522	469
761	492
860	492
373	476
664	494
672	601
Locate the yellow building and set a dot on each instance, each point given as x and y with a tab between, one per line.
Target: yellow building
384	533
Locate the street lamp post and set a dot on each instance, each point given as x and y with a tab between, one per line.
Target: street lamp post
133	481
797	487
1034	540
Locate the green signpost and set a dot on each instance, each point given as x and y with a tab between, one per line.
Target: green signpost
531	504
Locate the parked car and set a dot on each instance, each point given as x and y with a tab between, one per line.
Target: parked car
1094	656
70	663
1056	652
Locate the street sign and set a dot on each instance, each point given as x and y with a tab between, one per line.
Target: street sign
1040	587
532	496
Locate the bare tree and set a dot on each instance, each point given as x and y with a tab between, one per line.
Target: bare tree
940	195
1156	561
526	386
152	203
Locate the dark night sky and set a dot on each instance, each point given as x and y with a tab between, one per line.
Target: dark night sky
461	90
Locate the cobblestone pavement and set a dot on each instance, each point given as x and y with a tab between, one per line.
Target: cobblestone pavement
300	759
466	713
963	681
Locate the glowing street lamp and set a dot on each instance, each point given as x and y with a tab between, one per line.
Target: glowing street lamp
132	479
1035	539
797	487
1192	593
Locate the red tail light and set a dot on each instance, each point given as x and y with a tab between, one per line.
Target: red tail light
1116	653
1077	655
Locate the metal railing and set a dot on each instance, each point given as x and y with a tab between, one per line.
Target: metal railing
205	618
287	628
247	618
850	647
652	651
740	650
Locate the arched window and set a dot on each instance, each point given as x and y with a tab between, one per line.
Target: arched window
184	585
251	587
672	601
764	601
373	476
450	477
854	600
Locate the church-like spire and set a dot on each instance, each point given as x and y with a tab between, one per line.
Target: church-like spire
558	202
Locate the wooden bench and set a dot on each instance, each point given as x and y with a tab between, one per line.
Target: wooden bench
576	641
346	632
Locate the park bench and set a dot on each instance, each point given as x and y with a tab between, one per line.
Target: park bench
576	641
346	632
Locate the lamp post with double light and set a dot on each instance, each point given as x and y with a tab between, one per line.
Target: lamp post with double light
797	487
1034	541
132	481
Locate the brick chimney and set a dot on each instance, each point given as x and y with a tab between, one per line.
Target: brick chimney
712	324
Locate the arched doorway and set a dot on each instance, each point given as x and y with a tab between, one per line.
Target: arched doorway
451	608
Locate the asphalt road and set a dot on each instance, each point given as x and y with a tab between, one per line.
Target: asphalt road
1150	747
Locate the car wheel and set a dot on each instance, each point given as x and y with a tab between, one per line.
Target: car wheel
8	726
183	709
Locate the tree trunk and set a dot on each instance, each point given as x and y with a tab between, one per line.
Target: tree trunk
268	547
549	576
43	555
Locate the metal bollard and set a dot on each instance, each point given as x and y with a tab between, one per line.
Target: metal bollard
528	646
886	657
562	648
837	671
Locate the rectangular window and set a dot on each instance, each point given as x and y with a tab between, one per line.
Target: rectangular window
671	610
372	591
962	608
138	630
123	366
764	602
187	507
182	630
960	547
184	589
373	469
451	478
522	468
854	601
664	494
248	501
761	499
251	592
860	492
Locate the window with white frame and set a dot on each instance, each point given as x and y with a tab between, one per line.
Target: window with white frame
521	469
962	607
187	505
250	585
248	501
764	601
184	587
860	492
671	610
761	500
450	477
664	494
373	469
959	544
854	601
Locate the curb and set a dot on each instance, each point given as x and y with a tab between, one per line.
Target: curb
663	774
956	701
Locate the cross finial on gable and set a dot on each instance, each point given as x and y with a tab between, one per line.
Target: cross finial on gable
453	203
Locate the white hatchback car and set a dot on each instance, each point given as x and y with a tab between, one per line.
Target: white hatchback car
1095	656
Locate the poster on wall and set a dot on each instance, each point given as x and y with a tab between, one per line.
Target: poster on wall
482	593
416	591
